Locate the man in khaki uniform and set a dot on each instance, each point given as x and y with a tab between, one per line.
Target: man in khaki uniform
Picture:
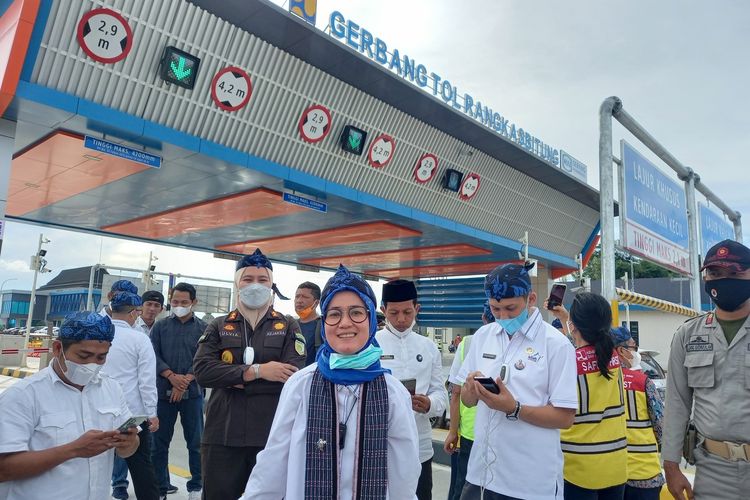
709	371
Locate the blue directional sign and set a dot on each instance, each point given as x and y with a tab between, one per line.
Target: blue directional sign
305	202
714	228
654	212
572	166
120	151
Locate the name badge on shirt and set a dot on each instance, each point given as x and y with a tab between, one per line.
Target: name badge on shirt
386	357
487	355
699	347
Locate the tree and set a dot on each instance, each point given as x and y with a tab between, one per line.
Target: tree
641	268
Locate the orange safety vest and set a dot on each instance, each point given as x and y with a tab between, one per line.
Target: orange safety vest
643	449
595	448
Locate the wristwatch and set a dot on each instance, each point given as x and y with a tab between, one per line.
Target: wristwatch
514	414
256	370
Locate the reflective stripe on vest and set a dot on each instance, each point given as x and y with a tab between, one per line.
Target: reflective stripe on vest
466	423
643	450
598	434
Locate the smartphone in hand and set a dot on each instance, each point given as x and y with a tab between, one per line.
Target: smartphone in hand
488	384
411	385
556	296
131	422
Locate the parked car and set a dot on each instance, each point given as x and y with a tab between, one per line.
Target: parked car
654	370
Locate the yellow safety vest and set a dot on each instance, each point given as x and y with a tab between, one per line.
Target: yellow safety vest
595	448
643	449
466	423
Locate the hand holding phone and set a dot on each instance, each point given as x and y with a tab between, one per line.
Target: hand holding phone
556	296
488	384
131	422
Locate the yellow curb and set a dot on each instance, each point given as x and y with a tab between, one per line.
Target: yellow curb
179	471
16	372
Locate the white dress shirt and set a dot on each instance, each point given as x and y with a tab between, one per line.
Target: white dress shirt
410	355
42	412
516	458
132	362
280	468
141	325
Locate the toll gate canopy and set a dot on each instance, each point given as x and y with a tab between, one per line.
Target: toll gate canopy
110	139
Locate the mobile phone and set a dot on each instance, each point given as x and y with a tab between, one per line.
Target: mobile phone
488	384
184	395
411	385
131	422
556	296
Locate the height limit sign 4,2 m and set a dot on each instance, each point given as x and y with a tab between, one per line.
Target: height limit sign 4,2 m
231	88
104	35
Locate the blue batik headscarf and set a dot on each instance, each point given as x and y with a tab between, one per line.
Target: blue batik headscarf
87	325
508	281
344	280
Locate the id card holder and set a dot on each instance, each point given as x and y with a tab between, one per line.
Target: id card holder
248	356
505	373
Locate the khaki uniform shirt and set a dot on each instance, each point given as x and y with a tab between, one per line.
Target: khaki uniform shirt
711	377
243	417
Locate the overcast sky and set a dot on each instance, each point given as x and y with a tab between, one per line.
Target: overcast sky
680	68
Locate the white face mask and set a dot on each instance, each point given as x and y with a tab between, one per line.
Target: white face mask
77	373
255	295
393	329
635	361
181	312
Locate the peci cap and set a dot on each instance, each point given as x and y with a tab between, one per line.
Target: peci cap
727	254
399	291
153	296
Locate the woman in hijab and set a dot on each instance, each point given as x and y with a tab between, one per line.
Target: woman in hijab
244	357
344	426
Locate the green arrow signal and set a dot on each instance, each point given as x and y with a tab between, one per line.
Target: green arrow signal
179	69
354	140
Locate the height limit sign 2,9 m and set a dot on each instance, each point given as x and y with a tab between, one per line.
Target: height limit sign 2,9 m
104	35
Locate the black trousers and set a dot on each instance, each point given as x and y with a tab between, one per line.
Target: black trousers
424	486
642	493
226	469
474	492
142	469
573	492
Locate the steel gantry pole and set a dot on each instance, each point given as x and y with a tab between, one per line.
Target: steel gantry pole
607	196
692	210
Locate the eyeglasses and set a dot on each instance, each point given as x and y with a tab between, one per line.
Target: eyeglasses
357	314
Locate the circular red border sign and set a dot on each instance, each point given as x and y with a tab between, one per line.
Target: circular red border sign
233	70
472	175
419	164
302	122
109	12
387	138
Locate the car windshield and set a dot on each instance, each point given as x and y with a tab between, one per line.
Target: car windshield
651	368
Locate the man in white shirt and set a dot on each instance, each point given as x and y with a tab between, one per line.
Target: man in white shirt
416	361
58	428
132	363
153	305
516	451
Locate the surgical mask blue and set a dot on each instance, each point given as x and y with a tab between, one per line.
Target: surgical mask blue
512	325
357	361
